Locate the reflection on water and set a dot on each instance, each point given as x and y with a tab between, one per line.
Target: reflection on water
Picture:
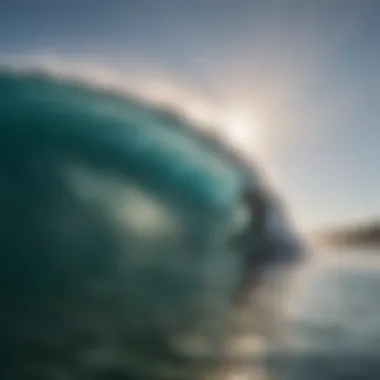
331	328
254	325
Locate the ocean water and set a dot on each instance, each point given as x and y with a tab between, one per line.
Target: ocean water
331	324
131	169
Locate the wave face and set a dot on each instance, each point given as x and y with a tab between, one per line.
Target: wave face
126	235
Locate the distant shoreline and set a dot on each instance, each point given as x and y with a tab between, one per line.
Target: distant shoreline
352	244
363	236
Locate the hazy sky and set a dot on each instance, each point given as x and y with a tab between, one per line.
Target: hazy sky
308	71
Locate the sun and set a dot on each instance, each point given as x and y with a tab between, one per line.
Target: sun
240	129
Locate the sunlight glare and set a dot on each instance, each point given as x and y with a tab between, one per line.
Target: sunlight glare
240	129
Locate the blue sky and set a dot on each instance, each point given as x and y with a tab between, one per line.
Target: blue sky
308	69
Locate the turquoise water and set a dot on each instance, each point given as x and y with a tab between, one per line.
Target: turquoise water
142	214
147	142
334	309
